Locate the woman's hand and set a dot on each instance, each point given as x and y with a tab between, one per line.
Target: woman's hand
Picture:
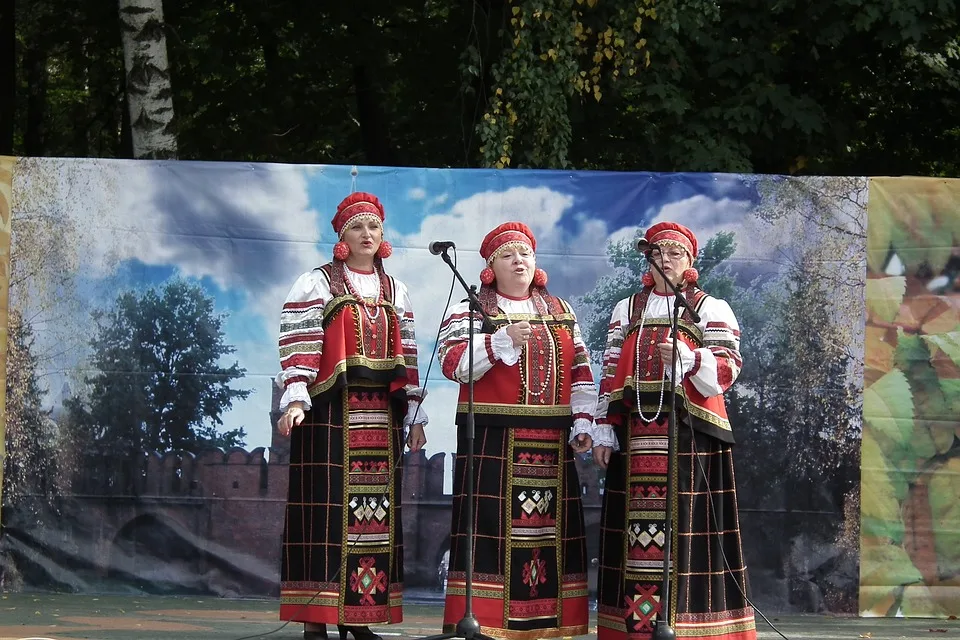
601	455
291	418
520	332
582	443
666	350
416	438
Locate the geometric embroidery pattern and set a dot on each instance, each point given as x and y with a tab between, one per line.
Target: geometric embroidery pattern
534	572
367	509
536	501
644	537
367	580
642	607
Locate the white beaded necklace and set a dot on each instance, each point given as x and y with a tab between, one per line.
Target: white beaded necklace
636	373
523	376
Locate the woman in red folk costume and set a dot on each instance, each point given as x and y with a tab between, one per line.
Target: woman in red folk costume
708	593
349	360
532	385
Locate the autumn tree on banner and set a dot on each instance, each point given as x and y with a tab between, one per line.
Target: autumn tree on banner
31	469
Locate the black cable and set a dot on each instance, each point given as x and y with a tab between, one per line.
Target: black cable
343	561
716	525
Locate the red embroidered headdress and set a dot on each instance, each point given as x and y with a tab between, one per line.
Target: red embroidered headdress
356	207
506	235
667	234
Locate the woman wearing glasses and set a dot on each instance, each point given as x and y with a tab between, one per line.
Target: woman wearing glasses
629	438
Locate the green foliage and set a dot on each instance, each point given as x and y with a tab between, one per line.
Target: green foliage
921	224
885	494
69	79
888	405
158	382
863	87
911	452
789	87
556	50
945	508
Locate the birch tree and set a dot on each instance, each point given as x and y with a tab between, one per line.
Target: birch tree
147	70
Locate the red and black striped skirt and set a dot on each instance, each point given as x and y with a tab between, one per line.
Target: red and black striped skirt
342	556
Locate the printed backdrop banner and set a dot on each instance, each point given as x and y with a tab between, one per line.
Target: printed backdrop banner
910	538
142	346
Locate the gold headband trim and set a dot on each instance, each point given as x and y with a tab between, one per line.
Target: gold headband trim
360	216
508	245
674	243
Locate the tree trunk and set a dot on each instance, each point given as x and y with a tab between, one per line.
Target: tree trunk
125	143
272	141
149	97
8	75
35	61
374	130
374	124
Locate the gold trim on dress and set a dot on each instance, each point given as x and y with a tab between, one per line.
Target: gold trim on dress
535	634
692	409
354	361
527	410
339	302
692	330
530	317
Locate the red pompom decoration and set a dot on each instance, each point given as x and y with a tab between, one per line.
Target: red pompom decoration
539	278
385	250
341	251
647	279
690	275
487	276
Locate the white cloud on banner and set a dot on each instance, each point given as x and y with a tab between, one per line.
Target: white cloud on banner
706	217
573	261
205	219
248	229
253	229
245	229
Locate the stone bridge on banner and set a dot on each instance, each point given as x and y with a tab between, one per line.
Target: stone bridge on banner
212	523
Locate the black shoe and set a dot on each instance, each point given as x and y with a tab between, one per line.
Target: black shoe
358	633
315	635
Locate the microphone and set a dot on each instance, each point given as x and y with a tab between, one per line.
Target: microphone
438	247
645	246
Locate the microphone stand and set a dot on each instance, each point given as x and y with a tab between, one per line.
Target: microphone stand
662	629
468	627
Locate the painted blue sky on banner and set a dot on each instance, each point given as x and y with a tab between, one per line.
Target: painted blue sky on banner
245	232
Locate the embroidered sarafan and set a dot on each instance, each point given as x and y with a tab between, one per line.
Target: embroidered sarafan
348	349
530	564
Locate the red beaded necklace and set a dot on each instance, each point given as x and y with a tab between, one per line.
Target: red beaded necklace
363	301
541	311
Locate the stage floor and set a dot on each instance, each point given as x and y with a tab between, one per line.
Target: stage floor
60	617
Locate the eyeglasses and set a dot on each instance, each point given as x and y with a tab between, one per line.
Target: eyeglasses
674	255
